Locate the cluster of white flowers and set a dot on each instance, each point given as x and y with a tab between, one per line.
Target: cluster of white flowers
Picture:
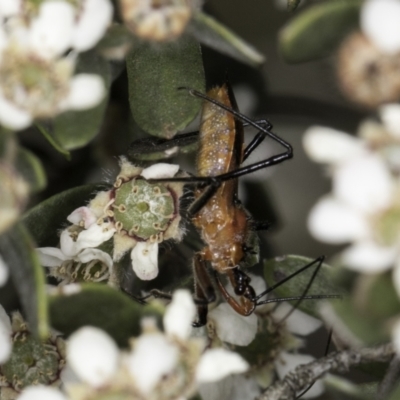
136	214
39	46
159	365
364	206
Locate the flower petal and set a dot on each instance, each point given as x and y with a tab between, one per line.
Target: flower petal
334	222
51	31
327	145
298	322
82	214
379	21
94	236
51	256
160	170
86	91
232	327
152	358
94	18
288	362
41	393
3	271
145	260
68	246
364	183
93	355
390	115
90	254
368	257
217	363
179	315
10	7
5	336
13	117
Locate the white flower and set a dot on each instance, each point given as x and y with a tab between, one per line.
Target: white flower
93	355
5	336
380	23
34	45
41	393
141	362
363	201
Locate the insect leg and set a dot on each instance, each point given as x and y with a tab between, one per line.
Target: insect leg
204	289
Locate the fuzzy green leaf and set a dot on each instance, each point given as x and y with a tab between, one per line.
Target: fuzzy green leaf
318	30
31	169
44	220
155	74
279	268
101	306
211	33
18	250
74	129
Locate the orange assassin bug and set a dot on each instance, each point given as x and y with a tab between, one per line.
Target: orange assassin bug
217	213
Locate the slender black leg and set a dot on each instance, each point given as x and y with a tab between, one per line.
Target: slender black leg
258	139
202	200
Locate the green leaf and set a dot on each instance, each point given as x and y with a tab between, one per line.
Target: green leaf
101	306
116	42
279	268
318	30
75	129
44	220
31	169
210	32
46	130
155	74
18	250
360	324
343	389
395	395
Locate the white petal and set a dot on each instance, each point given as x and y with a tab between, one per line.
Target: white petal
93	355
232	327
68	246
179	315
380	23
160	170
5	336
41	393
86	91
94	18
327	145
13	117
364	183
84	214
218	363
145	260
94	236
90	254
3	271
152	358
288	362
51	31
334	222
298	322
396	336
368	257
10	7
390	115
51	256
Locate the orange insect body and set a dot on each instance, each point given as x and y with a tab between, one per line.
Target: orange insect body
222	222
